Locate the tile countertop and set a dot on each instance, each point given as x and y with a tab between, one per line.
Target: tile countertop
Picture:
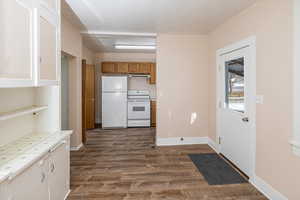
20	154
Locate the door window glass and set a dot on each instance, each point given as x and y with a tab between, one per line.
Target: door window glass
234	82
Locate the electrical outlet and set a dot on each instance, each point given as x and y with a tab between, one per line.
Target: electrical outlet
259	99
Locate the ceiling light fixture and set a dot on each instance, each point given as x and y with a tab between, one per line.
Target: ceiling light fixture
135	47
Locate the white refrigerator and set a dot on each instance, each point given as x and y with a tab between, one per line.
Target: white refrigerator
114	102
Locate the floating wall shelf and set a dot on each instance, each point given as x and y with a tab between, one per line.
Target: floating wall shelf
21	112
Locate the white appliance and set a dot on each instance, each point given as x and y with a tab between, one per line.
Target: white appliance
114	102
138	108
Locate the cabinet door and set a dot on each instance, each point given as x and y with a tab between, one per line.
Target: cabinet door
133	68
152	79
32	183
144	68
109	67
16	39
49	52
153	113
4	194
51	5
122	68
58	174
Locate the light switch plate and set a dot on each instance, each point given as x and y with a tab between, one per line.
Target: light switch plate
259	99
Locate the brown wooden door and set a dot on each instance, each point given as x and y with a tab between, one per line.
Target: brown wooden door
88	96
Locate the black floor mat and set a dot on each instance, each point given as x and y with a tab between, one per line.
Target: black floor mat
215	170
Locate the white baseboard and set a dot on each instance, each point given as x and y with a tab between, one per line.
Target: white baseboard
213	145
267	189
181	141
67	194
76	148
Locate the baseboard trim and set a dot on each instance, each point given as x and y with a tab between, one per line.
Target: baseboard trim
76	148
213	145
181	141
267	189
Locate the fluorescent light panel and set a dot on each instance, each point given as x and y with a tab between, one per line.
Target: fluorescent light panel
135	47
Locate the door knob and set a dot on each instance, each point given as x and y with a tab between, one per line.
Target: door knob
245	119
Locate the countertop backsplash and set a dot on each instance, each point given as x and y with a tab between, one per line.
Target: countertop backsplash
141	83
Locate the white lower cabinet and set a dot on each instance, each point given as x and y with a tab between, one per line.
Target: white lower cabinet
4	194
32	183
46	179
58	174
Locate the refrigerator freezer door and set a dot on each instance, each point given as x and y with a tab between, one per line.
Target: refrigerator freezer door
114	83
114	109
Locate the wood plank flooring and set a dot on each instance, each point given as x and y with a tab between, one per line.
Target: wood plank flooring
121	165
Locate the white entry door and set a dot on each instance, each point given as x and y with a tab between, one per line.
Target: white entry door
236	107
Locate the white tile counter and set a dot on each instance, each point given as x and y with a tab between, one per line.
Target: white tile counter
21	154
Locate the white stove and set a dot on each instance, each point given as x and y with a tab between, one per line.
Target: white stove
138	108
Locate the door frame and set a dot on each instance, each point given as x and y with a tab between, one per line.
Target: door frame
251	43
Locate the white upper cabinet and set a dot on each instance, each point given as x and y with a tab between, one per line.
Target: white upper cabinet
30	43
48	70
16	39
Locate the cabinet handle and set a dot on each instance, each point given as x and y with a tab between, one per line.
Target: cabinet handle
52	167
43	177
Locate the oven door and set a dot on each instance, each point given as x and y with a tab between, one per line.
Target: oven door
138	109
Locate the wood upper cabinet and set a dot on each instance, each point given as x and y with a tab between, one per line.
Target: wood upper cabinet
17	47
153	113
152	79
122	68
133	68
144	68
109	67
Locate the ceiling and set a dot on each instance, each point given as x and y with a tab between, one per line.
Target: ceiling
138	21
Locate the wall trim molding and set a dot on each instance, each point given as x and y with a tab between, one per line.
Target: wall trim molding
76	148
213	145
267	189
178	141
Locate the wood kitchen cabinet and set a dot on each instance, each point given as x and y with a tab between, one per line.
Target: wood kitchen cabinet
144	68
122	68
109	67
152	79
133	68
153	113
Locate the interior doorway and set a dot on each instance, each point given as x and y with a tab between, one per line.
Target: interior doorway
236	104
65	93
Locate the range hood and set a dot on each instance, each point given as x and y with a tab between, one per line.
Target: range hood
139	75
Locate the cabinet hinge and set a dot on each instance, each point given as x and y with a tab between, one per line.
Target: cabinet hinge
220	140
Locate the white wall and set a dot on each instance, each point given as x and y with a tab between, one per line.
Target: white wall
182	85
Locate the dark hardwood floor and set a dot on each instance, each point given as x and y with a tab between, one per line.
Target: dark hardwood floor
122	165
